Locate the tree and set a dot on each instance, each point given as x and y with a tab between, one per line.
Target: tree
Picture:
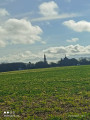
41	64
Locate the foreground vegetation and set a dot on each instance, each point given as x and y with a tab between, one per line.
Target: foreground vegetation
59	93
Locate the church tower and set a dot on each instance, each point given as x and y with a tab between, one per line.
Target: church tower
65	58
45	60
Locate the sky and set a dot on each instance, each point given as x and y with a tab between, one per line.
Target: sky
31	28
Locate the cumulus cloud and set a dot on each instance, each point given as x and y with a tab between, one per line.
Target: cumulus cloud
73	40
25	56
20	32
81	26
2	43
53	54
3	12
70	50
48	9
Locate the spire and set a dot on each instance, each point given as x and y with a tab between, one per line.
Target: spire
45	60
65	57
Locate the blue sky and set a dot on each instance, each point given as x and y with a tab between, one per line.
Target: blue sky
30	28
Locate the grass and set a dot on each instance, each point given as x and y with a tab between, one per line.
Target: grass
61	93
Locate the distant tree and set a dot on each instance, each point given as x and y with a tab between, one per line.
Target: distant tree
52	64
67	62
73	61
41	64
12	66
83	61
30	65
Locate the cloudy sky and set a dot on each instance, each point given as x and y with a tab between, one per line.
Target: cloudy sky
30	28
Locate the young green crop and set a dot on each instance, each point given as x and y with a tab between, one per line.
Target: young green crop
57	93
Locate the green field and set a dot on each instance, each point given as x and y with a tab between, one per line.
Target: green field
61	93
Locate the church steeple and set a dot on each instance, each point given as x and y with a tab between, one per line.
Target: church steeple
45	60
65	57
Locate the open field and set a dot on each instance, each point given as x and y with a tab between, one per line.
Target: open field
61	93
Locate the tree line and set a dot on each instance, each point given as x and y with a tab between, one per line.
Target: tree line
22	66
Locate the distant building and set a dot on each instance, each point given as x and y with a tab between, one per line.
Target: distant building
45	60
65	58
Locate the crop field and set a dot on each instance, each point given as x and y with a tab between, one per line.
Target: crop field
60	93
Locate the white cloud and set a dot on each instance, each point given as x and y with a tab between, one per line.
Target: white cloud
2	43
62	16
20	32
48	9
81	26
2	37
73	40
53	54
25	56
71	50
3	12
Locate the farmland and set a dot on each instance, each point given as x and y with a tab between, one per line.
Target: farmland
60	93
